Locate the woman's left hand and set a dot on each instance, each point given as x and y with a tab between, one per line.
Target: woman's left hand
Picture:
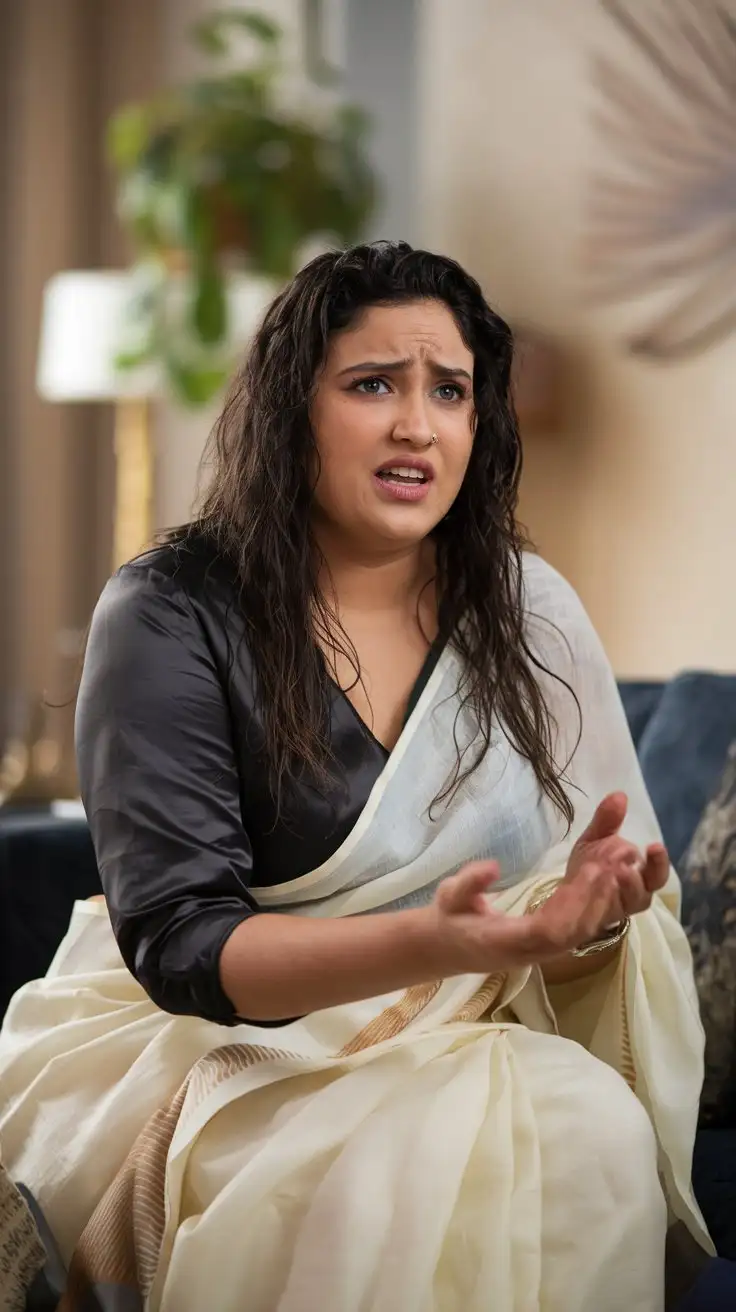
631	877
607	879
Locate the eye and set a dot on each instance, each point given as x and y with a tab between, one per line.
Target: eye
450	392
371	386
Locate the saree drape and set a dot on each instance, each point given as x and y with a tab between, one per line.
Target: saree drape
479	1144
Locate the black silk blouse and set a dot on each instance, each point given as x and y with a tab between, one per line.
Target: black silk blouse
173	778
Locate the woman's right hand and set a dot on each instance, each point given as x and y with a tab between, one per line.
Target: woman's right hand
275	967
476	938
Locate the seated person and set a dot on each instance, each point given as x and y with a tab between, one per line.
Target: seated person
392	1008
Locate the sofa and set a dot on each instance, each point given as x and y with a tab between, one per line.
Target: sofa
682	729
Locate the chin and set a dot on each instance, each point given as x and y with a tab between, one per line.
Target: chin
401	528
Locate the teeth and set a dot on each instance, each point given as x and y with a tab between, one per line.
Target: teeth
403	471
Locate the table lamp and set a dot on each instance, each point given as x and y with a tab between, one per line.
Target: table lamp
85	313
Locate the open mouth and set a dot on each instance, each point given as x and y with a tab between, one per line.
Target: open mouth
405	475
404	480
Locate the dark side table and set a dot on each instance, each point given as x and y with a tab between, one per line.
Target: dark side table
47	863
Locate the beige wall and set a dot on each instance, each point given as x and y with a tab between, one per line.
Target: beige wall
636	499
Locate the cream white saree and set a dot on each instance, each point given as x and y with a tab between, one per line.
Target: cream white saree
474	1146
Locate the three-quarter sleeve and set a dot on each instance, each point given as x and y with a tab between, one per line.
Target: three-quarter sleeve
160	786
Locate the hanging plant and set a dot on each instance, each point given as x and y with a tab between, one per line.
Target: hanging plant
215	176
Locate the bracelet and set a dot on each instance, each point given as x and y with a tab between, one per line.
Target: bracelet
614	935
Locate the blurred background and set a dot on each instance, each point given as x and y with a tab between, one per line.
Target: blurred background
165	164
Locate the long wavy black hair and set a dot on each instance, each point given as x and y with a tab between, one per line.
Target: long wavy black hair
258	509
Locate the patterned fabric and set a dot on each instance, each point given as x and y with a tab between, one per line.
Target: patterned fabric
709	916
21	1251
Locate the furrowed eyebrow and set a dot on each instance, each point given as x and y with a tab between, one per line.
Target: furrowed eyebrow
397	366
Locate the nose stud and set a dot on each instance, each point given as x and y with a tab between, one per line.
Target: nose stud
434	439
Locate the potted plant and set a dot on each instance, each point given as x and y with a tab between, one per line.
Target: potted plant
218	175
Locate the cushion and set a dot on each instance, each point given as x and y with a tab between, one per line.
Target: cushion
47	862
640	700
714	1181
683	749
715	1289
709	918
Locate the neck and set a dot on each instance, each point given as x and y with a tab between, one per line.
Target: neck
374	580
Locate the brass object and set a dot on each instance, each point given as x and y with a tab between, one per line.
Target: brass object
610	939
38	766
133	480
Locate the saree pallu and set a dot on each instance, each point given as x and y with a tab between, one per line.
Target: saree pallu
478	1144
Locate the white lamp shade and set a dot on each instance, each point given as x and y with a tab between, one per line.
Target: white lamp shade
85	314
81	332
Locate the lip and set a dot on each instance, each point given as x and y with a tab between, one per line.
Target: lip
405	491
409	462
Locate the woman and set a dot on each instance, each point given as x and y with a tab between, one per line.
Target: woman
345	689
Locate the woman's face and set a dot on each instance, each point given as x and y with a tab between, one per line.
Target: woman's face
398	376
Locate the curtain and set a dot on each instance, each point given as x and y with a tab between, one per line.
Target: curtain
64	67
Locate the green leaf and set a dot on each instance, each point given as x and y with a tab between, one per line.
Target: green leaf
125	361
277	233
194	385
352	122
209	308
211	33
160	152
128	135
209	38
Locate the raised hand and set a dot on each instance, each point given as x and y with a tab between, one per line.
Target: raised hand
607	879
608	865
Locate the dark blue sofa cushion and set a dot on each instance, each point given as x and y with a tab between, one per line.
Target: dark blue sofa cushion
640	701
714	1182
715	1289
683	730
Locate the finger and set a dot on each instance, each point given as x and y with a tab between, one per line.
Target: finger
602	907
465	891
634	894
656	868
477	879
608	819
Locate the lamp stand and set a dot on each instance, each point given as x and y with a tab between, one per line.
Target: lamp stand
36	768
133	480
